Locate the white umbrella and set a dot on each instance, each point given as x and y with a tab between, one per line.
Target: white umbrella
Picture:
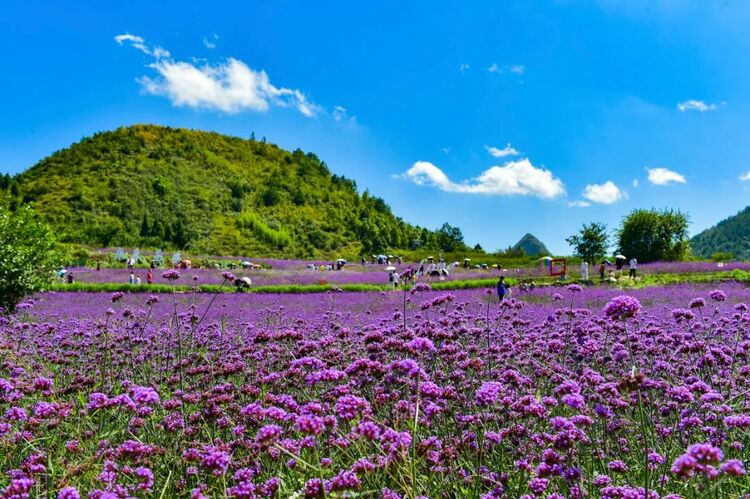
390	268
341	260
546	258
620	257
245	280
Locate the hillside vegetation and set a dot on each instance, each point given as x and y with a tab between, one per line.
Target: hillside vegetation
731	235
156	186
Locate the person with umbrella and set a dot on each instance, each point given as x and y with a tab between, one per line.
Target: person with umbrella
392	276
619	262
242	283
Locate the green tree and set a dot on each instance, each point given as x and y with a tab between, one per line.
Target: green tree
591	242
27	255
654	235
450	238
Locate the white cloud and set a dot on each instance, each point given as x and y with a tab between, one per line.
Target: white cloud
517	69
229	87
446	150
745	177
696	105
463	67
210	42
501	153
606	193
579	204
139	43
663	176
635	182
340	115
514	178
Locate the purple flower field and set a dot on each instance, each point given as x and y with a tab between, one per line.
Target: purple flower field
564	392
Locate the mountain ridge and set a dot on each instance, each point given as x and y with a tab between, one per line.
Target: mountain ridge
731	235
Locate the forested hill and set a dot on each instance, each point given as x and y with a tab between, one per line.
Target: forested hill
731	235
530	245
156	186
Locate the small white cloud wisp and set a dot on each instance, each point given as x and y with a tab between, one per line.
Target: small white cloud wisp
515	178
696	105
496	152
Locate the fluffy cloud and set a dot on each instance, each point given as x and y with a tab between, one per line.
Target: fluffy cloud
696	105
514	178
229	87
463	67
501	153
745	177
663	176
606	193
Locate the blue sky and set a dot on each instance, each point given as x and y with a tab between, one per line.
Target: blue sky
499	117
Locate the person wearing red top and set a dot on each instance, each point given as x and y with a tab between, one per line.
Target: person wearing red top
149	277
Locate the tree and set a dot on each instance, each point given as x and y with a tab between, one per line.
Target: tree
654	235
27	255
450	238
591	242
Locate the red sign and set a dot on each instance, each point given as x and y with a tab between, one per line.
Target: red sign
560	269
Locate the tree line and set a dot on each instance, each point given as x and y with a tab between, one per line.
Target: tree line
646	235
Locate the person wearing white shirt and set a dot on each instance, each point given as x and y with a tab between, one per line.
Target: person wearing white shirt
585	271
633	264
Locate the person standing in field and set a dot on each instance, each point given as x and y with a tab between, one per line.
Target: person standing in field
502	289
137	280
131	278
149	277
633	264
601	271
585	271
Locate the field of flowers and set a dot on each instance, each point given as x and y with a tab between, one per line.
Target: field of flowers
564	392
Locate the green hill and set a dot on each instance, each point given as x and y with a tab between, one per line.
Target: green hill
530	245
156	186
731	235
